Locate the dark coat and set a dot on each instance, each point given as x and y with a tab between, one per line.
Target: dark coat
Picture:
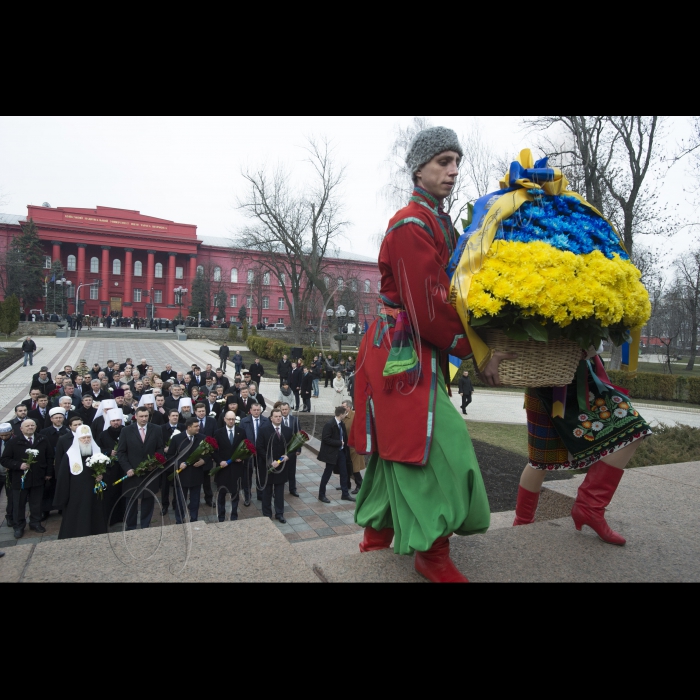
53	436
295	380
465	386
15	455
224	382
101	396
191	477
28	346
132	452
210	427
84	512
115	504
235	476
41	422
45	389
87	414
168	431
331	442
168	376
256	371
224	352
307	385
249	429
245	406
284	369
157	418
261	400
271	448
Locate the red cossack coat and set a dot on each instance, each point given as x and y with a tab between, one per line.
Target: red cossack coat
394	419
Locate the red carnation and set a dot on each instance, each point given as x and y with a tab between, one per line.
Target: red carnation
305	436
250	447
212	442
55	392
160	458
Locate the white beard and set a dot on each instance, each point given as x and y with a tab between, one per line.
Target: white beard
85	450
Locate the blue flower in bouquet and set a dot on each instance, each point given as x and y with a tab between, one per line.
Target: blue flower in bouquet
564	223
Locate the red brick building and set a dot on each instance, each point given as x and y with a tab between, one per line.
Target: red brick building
138	257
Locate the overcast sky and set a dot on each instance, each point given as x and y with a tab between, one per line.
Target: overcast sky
188	169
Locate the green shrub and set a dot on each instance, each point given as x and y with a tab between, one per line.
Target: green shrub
233	333
667	445
245	331
693	389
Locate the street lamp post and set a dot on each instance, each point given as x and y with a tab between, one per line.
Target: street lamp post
61	283
341	315
179	293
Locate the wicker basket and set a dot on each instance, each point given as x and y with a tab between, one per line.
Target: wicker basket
538	364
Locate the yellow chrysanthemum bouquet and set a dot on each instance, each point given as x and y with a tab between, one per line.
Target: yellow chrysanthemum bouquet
538	266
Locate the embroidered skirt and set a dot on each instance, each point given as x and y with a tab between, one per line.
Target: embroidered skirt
423	504
584	436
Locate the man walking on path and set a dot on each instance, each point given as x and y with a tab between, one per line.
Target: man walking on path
224	353
466	389
28	348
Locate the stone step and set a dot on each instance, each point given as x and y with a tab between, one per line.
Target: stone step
246	551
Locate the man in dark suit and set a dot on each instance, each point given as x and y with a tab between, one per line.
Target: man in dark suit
335	452
221	380
252	426
306	390
191	477
96	391
32	403
168	429
20	415
87	411
291	422
224	353
271	454
244	403
138	442
43	383
257	372
129	363
295	383
207	428
14	460
233	476
284	369
41	415
143	367
53	434
173	401
209	373
466	391
169	374
43	369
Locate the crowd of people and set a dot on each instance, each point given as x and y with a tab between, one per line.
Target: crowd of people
79	443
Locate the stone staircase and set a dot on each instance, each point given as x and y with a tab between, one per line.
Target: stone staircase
656	508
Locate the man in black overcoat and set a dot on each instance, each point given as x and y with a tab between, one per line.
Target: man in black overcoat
466	390
207	427
271	454
192	477
168	429
41	415
53	434
232	478
335	452
252	425
108	440
306	390
14	460
137	443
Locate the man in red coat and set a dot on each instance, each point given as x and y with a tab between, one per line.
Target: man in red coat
423	482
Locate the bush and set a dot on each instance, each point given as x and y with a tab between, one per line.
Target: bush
693	389
658	387
245	331
667	445
233	333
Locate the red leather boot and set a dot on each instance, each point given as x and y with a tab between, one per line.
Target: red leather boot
436	564
594	497
376	541
526	509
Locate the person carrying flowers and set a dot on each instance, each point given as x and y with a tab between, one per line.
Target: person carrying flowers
541	272
423	482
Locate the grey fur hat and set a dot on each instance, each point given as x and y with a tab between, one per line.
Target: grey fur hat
429	143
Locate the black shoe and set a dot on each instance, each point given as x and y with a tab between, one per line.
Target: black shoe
281	520
165	510
348	498
356	491
323	499
209	503
295	494
247	503
2	554
339	488
37	528
45	516
19	533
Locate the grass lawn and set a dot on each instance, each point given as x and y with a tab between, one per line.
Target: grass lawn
512	438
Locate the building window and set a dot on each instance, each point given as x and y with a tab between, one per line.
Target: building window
70	263
158	296
368	287
280	305
266	320
217	274
366	309
327	282
266	279
251	276
266	302
234	301
200	271
353	285
280	320
117	267
47	262
379	285
283	279
341	284
249	302
379	309
234	276
179	273
234	319
94	266
138	269
137	295
159	271
94	292
71	291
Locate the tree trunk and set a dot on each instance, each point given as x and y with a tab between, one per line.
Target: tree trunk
693	347
616	360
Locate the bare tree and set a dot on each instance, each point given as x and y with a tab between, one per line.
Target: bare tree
295	229
688	284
